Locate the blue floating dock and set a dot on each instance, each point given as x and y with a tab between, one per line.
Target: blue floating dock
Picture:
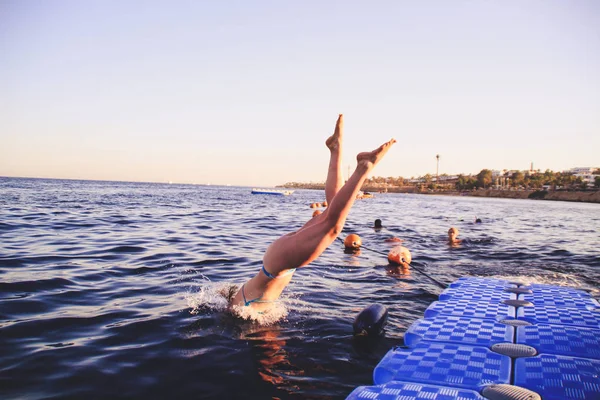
559	377
553	315
409	390
483	283
467	308
562	299
475	293
563	340
465	367
458	330
459	349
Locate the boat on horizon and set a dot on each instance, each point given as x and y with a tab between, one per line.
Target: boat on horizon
279	192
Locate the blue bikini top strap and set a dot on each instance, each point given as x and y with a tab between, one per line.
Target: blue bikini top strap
269	275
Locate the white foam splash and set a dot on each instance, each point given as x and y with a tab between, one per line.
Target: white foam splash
211	296
274	313
215	296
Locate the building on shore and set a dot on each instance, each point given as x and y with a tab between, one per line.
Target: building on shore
581	170
586	178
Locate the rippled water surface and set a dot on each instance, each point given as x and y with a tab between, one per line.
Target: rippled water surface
113	290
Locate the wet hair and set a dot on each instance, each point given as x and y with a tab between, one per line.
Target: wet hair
378	223
232	291
477	220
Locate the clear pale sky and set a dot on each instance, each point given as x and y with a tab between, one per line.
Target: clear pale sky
246	92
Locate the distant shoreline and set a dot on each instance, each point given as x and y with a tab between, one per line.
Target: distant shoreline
559	195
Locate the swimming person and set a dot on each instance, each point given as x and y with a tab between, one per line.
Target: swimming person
452	236
299	248
378	226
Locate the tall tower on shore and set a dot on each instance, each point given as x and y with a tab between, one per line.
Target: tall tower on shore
437	170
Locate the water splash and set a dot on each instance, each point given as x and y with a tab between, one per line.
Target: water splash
275	313
211	296
215	296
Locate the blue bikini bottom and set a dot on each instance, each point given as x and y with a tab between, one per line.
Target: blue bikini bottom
269	275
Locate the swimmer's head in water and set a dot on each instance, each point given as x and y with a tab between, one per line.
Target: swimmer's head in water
378	223
452	234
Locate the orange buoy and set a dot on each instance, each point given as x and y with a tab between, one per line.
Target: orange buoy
352	241
316	212
318	205
399	255
324	204
313	205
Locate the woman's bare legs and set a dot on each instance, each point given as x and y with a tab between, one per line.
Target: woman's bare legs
334	172
302	247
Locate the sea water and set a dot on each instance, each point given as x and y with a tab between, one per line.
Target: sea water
119	290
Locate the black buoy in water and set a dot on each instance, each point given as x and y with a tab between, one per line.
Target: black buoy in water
371	321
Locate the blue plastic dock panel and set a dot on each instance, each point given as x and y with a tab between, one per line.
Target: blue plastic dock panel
470	309
552	315
449	357
559	377
444	364
412	391
482	283
459	330
476	294
560	299
558	289
565	340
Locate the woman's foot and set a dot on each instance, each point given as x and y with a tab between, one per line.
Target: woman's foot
334	142
371	158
